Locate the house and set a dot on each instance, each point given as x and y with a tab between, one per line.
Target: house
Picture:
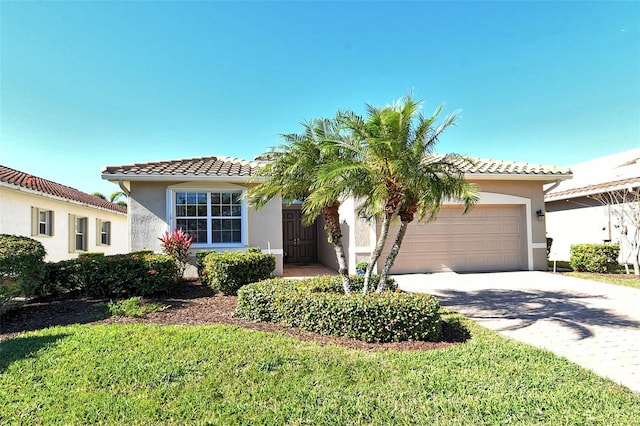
575	212
205	196
65	220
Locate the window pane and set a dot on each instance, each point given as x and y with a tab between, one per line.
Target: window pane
215	198
226	224
226	198
226	211
236	198
181	198
236	224
216	224
43	229
202	198
236	237
202	210
215	210
236	211
181	211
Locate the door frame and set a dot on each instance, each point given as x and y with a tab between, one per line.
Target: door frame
299	226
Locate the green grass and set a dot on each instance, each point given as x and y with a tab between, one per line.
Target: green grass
133	307
224	375
628	282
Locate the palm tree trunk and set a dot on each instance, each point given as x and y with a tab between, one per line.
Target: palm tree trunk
332	219
391	257
375	254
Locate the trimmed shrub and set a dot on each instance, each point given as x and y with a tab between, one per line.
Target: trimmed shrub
21	262
333	283
60	277
375	317
600	258
126	274
200	256
226	272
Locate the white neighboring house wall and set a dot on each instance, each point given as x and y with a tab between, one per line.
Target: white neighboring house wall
17	216
580	224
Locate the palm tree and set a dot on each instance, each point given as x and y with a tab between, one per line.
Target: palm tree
115	198
395	172
292	174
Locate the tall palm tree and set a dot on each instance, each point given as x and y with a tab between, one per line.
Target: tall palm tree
396	172
116	198
292	174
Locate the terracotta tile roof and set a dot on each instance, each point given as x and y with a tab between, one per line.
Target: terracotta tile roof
25	180
594	189
484	166
609	173
203	166
227	166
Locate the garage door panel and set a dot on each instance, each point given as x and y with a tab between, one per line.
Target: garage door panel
489	238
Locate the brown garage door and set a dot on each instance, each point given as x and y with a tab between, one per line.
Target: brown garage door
489	238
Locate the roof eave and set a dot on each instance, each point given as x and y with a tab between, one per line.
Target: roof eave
56	197
177	177
545	177
586	193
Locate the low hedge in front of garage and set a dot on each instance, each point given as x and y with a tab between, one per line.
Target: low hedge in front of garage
374	317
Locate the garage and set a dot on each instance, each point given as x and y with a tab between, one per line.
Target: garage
488	238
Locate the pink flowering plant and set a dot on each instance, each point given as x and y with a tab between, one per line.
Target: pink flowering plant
177	245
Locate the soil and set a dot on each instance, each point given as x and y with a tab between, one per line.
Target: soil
189	303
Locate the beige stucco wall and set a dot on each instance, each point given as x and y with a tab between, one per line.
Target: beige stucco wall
15	219
149	210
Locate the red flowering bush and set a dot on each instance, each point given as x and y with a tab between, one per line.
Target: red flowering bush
177	245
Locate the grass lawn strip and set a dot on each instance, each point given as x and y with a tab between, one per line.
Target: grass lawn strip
142	374
629	281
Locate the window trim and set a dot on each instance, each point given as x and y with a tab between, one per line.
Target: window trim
73	233
99	232
35	222
244	228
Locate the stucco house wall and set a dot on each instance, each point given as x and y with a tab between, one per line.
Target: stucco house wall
16	219
578	221
150	207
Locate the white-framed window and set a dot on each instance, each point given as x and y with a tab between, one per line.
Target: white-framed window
77	233
41	222
212	217
103	230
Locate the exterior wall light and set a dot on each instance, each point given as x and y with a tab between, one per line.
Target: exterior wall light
540	215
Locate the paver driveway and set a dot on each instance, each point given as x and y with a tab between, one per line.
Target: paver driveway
593	324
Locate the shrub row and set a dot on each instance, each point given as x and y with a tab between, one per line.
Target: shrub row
99	275
226	272
21	262
600	258
374	317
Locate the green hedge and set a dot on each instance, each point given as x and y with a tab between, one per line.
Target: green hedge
600	258
126	274
375	317
226	272
21	262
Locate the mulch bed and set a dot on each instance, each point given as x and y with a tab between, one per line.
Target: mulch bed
189	303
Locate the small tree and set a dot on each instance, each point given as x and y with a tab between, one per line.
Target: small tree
624	210
177	245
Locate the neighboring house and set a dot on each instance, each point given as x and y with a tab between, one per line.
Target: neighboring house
66	221
205	196
575	215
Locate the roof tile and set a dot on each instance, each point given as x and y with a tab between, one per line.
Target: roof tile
25	180
211	166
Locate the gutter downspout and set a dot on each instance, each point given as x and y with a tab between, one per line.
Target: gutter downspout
554	186
123	188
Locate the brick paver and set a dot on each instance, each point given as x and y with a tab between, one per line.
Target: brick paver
595	325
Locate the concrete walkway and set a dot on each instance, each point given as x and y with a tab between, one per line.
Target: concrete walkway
593	324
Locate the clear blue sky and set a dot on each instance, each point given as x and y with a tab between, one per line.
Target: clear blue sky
89	84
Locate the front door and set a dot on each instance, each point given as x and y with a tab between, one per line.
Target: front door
300	242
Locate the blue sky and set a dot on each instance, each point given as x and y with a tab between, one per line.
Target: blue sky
90	84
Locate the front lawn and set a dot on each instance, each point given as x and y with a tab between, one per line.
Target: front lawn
226	375
619	279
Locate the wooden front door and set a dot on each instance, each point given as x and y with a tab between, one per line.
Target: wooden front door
300	242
